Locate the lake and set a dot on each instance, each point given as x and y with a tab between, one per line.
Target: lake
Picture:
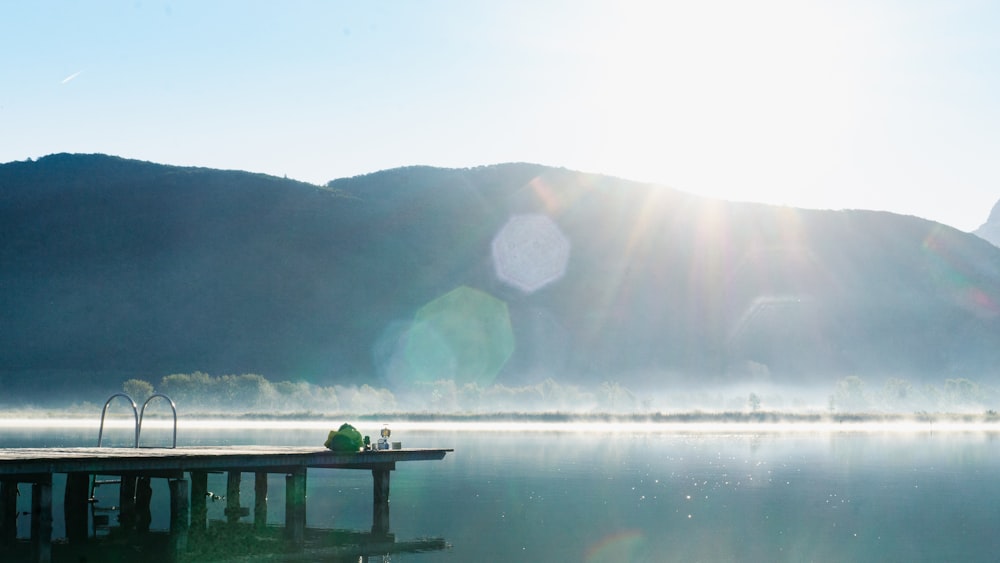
602	492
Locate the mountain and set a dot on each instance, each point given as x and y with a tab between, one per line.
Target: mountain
113	268
990	230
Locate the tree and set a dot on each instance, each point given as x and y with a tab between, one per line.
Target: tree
138	389
368	399
195	389
614	392
754	402
242	392
850	394
897	393
962	393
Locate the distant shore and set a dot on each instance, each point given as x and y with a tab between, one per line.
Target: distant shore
693	417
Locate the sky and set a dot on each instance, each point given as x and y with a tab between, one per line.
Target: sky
857	104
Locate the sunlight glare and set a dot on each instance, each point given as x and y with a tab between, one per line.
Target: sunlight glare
758	108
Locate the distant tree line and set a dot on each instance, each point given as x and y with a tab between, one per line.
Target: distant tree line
252	393
959	395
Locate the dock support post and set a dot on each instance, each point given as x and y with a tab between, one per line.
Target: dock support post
179	509
295	507
8	512
233	511
41	519
143	496
199	501
126	503
75	506
380	501
260	500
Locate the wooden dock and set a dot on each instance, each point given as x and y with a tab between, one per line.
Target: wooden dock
136	466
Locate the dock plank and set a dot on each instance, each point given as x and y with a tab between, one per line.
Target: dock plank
25	461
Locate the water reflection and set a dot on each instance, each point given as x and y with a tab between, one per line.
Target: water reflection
652	493
225	542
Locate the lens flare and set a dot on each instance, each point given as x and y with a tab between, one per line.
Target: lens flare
389	353
960	275
530	252
628	545
464	335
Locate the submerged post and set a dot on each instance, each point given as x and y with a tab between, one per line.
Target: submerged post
295	506
260	500
380	501
143	496
41	519
199	501
75	506
178	515
233	510
8	512
126	503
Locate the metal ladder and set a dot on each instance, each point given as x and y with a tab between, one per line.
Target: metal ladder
138	415
101	516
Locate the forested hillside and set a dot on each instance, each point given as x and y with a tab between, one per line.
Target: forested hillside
111	268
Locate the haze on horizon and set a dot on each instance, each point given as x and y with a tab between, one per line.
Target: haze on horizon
877	105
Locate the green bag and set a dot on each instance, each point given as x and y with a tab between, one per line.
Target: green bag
346	439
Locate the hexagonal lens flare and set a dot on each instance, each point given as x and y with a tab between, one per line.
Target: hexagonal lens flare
464	335
530	252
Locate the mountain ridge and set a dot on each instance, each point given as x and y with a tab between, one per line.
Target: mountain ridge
990	230
113	265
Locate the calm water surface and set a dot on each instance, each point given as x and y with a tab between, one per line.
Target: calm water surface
639	494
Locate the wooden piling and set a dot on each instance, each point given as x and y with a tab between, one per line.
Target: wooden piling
143	496
380	501
199	501
75	504
126	503
179	512
295	507
260	500
41	518
8	512
233	510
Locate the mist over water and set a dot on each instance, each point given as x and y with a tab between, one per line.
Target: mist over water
643	492
199	394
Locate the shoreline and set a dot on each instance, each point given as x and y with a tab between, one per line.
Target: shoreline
733	420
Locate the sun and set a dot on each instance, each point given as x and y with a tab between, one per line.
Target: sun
728	99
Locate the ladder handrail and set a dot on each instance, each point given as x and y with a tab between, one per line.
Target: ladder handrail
173	407
135	411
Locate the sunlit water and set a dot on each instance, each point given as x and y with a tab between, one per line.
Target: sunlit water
640	492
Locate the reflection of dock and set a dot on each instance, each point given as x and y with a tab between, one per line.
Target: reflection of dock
188	507
244	542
